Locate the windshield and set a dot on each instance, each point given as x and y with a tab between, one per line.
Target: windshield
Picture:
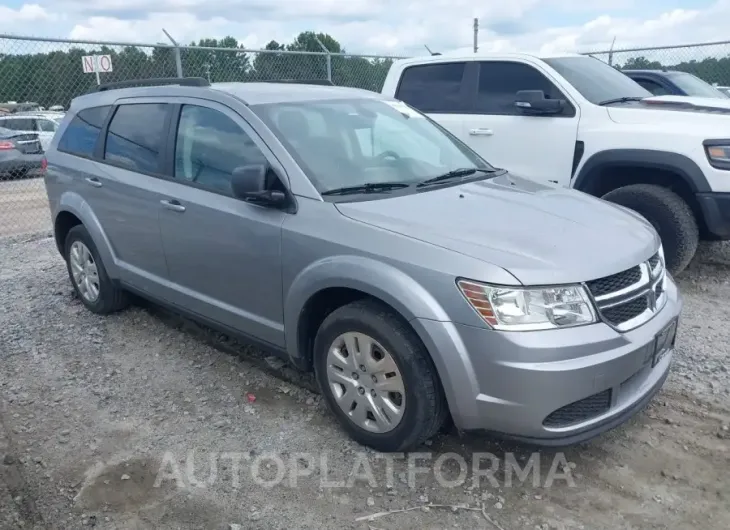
694	86
352	142
595	80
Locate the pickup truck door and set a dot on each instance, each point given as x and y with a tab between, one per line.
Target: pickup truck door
537	147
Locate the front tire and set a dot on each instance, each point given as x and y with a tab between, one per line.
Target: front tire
378	378
88	275
670	215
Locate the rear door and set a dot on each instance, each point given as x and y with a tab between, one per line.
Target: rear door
439	90
537	147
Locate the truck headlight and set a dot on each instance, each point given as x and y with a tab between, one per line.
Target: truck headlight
529	309
718	155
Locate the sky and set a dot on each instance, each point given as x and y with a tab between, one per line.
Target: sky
395	27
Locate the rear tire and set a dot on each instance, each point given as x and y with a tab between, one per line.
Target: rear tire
99	294
424	408
670	215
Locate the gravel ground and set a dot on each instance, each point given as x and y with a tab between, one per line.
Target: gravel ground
119	423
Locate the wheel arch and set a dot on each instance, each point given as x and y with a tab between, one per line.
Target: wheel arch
331	283
612	169
73	210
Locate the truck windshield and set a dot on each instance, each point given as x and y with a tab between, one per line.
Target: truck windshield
694	86
595	80
365	142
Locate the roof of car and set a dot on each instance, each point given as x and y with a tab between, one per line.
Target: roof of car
256	93
447	57
252	93
649	71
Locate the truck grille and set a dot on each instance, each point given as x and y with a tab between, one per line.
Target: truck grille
628	299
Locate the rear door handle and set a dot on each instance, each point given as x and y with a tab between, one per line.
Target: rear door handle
481	132
94	182
172	204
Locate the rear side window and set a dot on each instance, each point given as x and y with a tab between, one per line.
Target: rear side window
21	124
135	136
433	87
81	135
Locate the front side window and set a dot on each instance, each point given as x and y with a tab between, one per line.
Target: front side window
209	146
499	82
135	136
365	141
82	133
653	87
595	80
433	88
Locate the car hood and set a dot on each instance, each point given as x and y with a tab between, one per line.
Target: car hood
691	110
540	234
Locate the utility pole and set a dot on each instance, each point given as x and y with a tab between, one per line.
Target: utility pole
476	35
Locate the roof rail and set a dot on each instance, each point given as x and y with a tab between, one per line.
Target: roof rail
325	82
159	81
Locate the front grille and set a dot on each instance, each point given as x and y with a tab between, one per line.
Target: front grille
623	313
615	282
628	299
580	411
654	261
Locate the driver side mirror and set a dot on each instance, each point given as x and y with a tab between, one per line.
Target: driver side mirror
249	184
535	102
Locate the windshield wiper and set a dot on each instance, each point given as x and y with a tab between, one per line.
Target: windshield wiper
456	173
368	187
620	100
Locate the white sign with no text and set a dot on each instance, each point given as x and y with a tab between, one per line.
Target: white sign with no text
97	63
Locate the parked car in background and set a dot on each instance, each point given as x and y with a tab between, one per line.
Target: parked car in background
575	121
353	236
44	124
21	154
724	89
674	83
56	108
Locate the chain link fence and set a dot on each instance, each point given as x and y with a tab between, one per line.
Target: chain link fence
709	61
46	73
40	73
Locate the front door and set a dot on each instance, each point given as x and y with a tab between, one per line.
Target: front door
537	147
223	254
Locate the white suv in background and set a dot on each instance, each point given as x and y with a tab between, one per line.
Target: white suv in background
44	124
574	121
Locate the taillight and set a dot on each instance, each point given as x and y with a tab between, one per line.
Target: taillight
5	145
44	164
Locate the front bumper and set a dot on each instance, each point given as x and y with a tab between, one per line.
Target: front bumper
716	212
512	383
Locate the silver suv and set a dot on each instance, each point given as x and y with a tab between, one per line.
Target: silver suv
355	237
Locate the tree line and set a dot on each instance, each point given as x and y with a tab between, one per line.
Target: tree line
56	77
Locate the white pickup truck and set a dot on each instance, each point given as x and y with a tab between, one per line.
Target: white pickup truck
574	121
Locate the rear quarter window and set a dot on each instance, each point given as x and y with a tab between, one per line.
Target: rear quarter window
82	133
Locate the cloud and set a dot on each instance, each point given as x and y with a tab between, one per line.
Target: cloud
379	26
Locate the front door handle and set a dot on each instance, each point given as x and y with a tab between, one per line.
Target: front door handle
172	204
94	182
481	132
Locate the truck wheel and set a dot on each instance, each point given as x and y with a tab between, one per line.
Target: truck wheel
92	284
378	378
670	215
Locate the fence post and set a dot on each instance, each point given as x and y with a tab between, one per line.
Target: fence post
178	60
329	58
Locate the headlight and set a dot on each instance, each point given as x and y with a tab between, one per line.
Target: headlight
525	309
718	155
